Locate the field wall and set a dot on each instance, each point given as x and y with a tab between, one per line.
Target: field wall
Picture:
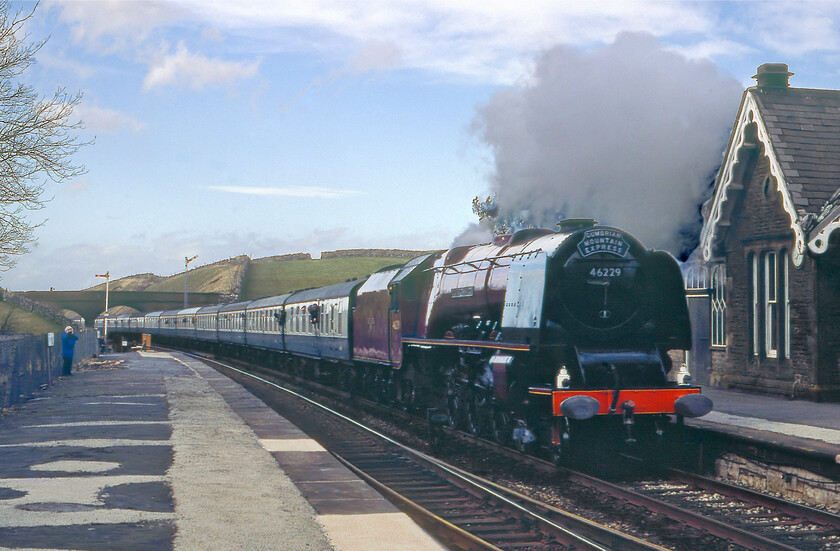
387	253
28	363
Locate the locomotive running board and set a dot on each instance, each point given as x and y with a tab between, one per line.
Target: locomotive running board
492	345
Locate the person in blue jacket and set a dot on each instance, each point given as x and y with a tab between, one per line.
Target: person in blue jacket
68	345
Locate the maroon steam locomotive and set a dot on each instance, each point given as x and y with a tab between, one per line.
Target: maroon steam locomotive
538	339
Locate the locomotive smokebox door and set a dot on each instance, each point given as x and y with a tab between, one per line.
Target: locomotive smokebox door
522	313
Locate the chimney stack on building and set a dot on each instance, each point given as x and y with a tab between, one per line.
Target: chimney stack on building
773	75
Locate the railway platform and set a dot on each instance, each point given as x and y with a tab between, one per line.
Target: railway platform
157	451
809	428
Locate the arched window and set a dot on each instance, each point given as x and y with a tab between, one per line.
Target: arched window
754	321
771	305
695	278
785	263
717	295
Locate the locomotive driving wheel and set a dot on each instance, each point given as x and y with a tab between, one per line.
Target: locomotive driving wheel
500	427
460	406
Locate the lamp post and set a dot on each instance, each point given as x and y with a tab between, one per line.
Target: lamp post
187	261
107	276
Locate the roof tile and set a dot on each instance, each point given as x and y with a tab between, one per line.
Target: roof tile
804	126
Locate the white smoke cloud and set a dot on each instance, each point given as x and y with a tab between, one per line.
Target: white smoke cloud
474	233
629	134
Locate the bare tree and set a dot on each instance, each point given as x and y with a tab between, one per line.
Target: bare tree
37	137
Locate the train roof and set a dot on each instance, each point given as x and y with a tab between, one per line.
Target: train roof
278	300
235	306
410	266
190	311
170	312
212	309
155	314
333	291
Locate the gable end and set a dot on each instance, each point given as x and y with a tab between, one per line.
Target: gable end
749	132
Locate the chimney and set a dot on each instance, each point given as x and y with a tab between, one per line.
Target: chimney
773	75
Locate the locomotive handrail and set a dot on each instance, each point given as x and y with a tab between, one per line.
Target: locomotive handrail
476	264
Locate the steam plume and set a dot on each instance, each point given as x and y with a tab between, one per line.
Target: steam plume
630	134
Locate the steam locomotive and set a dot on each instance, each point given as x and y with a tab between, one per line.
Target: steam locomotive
544	339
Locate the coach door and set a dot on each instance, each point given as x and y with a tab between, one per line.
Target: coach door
395	324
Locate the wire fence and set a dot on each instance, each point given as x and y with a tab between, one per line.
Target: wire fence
29	363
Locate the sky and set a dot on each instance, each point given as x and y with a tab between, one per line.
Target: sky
267	127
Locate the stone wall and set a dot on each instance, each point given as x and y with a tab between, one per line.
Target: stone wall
283	257
788	481
760	224
28	363
378	253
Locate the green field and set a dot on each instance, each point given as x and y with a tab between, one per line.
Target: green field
14	320
265	279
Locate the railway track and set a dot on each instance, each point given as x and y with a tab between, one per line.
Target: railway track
460	510
488	515
741	514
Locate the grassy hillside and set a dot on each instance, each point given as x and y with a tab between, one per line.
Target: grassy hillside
266	279
14	320
137	282
215	278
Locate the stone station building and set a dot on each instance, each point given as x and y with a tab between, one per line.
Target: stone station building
769	245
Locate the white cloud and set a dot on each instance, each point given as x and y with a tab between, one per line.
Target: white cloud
376	55
102	119
799	32
488	40
58	61
116	25
185	69
295	191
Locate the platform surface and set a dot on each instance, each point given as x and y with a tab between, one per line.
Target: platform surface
158	451
797	424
